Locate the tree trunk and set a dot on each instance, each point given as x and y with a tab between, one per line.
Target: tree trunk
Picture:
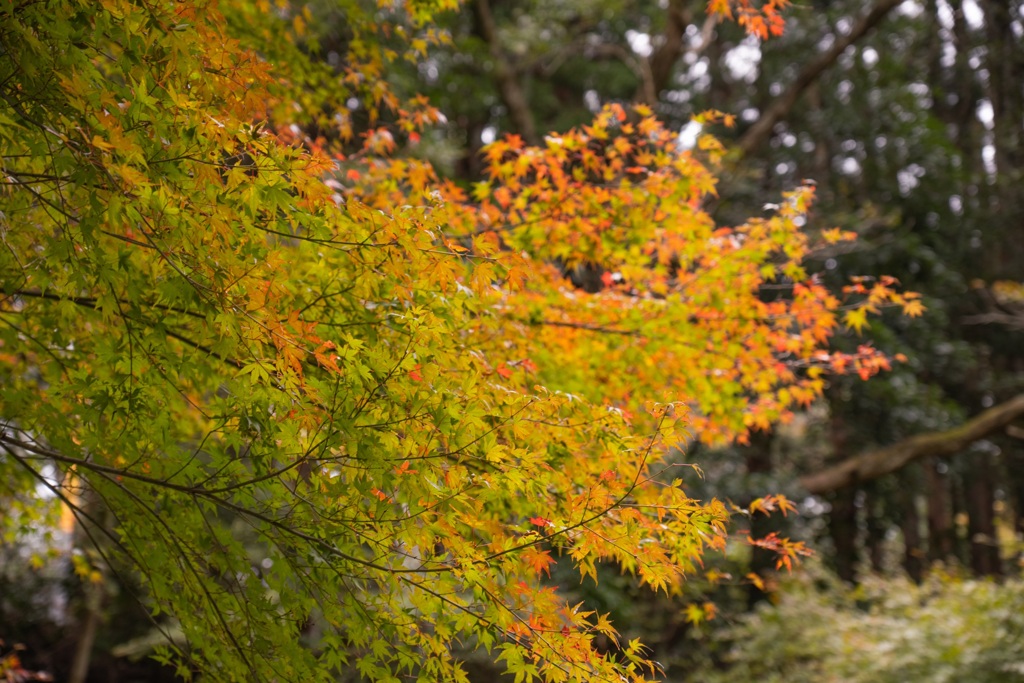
513	94
961	540
874	540
1015	482
87	634
663	60
94	592
941	534
913	554
981	527
842	518
842	526
1004	61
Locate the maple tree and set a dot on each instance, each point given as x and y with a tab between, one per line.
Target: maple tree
388	384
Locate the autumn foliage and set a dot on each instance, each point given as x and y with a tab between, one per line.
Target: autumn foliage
240	333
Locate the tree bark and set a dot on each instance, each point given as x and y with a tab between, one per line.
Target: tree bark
784	103
876	463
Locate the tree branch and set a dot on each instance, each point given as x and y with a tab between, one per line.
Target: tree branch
998	311
784	103
1010	320
876	463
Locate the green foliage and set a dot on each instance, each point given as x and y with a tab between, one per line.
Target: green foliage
888	629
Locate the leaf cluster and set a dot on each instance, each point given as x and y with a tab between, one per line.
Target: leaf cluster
389	388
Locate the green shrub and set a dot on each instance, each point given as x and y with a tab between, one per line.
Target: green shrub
888	629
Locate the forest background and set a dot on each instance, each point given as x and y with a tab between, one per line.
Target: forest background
907	117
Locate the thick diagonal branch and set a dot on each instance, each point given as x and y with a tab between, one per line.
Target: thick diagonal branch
876	463
781	106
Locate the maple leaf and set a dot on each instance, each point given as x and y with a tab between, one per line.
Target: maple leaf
695	614
913	308
856	319
539	561
503	196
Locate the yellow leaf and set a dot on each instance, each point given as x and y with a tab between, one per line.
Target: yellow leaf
99	142
913	308
856	319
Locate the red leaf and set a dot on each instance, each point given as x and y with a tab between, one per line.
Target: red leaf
415	375
540	521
